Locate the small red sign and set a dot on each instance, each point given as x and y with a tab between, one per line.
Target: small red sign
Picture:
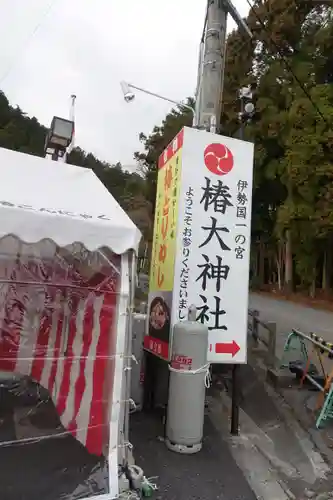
157	347
180	362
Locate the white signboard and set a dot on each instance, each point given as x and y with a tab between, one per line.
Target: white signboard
213	240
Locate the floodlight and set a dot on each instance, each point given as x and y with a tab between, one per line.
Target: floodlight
128	95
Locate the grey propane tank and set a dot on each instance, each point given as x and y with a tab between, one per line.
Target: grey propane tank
188	369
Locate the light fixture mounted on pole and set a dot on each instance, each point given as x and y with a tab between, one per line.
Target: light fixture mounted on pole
247	110
59	137
129	96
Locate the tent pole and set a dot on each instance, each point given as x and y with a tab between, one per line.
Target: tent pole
128	349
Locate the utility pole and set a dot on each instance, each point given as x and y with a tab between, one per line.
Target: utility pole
211	69
72	113
209	105
212	66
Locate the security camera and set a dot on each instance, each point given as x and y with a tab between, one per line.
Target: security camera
128	95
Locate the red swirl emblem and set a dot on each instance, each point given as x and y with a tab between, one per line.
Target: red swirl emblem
218	159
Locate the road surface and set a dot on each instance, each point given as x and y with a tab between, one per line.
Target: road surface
211	474
288	315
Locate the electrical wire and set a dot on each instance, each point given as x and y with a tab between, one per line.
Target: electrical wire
28	40
205	24
286	63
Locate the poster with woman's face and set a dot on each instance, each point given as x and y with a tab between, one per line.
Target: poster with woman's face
159	322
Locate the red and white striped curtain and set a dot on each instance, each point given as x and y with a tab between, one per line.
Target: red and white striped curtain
57	325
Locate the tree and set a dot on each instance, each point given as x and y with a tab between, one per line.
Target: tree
155	144
285	57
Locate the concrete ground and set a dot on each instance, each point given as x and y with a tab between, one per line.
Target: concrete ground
273	458
277	455
211	474
300	403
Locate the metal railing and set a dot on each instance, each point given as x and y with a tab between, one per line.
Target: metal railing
320	346
263	332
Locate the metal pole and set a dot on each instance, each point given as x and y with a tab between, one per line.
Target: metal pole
153	94
149	381
55	155
72	118
199	85
235	401
241	131
271	344
209	112
128	349
199	77
314	342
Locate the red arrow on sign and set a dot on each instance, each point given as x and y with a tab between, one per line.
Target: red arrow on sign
226	348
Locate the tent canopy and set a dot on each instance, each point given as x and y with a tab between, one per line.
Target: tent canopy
42	199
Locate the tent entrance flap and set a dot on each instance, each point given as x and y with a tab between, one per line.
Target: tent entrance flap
58	341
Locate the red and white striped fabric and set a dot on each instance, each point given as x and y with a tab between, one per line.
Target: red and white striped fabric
64	338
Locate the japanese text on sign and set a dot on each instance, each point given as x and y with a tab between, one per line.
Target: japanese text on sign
9	204
180	362
163	248
186	250
242	206
165	224
155	347
216	200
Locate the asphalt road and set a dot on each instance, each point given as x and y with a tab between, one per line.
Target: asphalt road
288	315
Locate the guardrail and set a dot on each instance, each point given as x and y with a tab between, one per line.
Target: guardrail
264	332
318	344
320	347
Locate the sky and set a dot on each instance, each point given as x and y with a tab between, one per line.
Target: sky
54	48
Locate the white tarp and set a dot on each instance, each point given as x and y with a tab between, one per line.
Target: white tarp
41	199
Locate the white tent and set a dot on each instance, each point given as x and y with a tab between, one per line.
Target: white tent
61	202
49	211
